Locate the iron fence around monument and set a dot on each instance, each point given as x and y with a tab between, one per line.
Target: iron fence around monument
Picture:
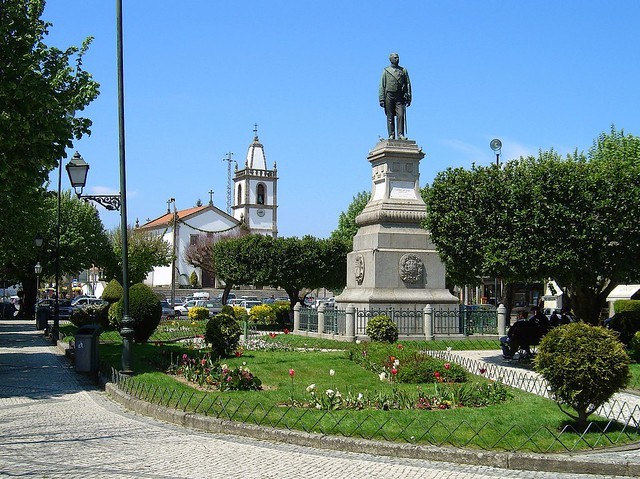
409	321
444	322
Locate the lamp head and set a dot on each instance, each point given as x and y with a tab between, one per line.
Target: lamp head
77	170
496	145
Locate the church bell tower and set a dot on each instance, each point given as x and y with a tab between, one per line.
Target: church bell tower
256	191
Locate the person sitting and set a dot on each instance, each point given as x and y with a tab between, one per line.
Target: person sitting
524	333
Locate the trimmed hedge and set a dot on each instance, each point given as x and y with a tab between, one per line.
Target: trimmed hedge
144	308
382	329
626	320
584	366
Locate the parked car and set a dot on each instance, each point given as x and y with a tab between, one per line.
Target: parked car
248	304
87	300
82	297
167	310
183	309
213	305
64	308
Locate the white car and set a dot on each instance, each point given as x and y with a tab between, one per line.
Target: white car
248	304
183	309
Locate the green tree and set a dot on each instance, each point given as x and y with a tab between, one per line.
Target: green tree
146	251
83	241
41	89
347	227
542	217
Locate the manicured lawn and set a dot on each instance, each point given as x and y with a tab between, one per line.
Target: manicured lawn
524	422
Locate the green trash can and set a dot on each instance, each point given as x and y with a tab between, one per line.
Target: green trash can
86	348
42	318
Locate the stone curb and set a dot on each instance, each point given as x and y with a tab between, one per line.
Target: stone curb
565	463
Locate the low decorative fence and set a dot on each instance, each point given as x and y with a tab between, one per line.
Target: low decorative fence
428	323
419	429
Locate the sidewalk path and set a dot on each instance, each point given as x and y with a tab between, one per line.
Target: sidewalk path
55	424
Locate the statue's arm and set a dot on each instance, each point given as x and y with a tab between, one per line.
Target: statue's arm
382	88
407	95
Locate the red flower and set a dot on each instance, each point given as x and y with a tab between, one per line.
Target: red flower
400	346
292	372
286	331
238	353
203	361
447	365
272	335
482	370
394	371
436	374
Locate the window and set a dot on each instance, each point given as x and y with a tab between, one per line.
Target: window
239	200
260	194
193	239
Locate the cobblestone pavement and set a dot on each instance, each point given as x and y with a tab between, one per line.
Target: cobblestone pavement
54	423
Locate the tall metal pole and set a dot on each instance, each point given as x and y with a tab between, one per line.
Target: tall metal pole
127	322
56	306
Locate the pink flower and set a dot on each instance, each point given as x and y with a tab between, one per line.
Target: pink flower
394	371
447	365
203	361
292	372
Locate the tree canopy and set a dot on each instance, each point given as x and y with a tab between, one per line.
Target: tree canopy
571	219
41	90
145	249
347	227
293	264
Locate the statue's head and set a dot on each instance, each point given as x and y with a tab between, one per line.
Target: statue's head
394	58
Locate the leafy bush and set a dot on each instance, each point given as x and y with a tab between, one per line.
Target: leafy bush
198	313
283	312
584	366
144	308
380	328
223	333
206	372
262	314
240	313
91	314
421	368
626	319
112	292
634	345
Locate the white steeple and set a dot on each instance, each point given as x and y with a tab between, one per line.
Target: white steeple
255	155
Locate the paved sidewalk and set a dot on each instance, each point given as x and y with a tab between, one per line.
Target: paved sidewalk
55	423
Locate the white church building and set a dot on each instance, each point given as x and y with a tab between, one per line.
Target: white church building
255	204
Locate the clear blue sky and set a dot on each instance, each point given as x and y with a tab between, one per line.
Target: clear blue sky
200	73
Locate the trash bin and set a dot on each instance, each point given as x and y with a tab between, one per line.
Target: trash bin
86	348
42	318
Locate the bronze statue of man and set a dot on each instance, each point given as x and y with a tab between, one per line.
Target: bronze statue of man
395	96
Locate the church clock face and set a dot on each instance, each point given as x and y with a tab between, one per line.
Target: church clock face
260	213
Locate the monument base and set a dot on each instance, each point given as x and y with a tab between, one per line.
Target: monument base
394	263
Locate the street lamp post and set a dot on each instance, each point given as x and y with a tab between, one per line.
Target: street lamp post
496	146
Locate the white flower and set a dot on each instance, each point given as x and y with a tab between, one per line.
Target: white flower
244	363
360	396
396	363
224	366
338	394
311	387
358	341
382	376
332	372
449	348
329	392
318	406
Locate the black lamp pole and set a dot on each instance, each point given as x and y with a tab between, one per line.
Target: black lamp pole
127	322
496	145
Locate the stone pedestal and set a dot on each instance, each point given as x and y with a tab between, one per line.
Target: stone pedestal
394	262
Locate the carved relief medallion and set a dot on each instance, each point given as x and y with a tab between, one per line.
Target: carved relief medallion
411	268
358	268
